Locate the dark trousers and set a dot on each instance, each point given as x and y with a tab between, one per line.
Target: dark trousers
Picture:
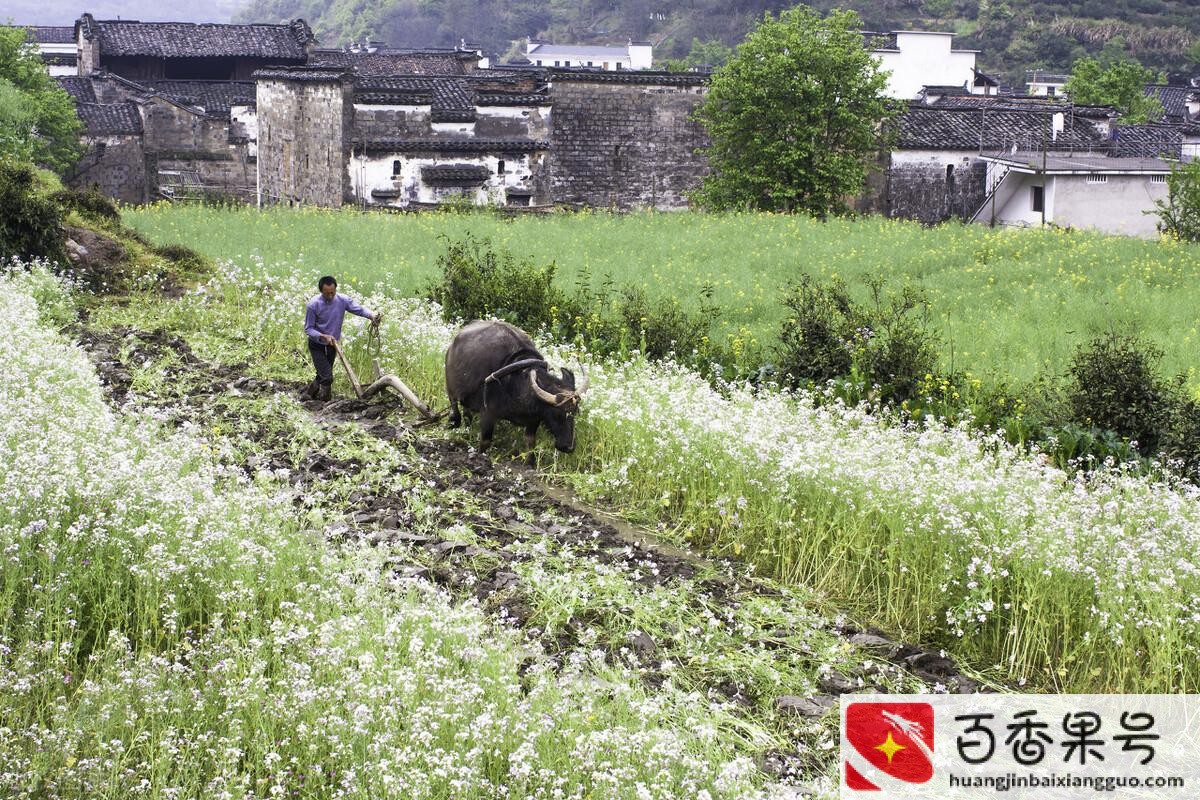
323	358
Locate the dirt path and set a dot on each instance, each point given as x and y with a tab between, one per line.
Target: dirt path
493	520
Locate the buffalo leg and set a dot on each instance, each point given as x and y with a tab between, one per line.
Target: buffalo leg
487	427
455	414
530	442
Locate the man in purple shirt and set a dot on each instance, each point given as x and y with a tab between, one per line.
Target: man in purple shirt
323	324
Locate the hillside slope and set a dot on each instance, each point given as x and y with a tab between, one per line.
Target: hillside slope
1012	35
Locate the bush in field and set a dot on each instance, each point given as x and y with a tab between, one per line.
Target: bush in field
89	204
1113	385
30	222
884	345
1180	441
478	282
663	328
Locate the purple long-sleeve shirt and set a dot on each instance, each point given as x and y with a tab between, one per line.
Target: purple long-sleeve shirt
325	316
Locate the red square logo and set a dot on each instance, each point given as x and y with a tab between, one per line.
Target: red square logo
887	745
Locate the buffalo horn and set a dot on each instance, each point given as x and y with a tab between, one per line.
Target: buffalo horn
583	382
542	393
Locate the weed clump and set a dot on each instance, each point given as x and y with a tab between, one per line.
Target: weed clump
884	347
30	221
1114	386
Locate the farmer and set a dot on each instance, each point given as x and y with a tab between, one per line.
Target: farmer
323	323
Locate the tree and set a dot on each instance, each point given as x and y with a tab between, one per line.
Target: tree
1122	85
39	117
794	116
1179	214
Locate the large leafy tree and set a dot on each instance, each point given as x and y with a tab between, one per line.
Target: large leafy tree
1121	85
37	118
795	116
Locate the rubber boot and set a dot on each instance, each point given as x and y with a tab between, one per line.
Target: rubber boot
325	392
310	391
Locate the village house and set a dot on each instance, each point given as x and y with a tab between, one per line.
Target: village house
634	55
916	59
56	45
1113	194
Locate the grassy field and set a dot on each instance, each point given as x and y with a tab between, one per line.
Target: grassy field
1007	304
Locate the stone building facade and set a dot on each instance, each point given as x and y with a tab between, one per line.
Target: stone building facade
626	140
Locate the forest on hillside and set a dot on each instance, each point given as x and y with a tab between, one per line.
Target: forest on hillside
1011	35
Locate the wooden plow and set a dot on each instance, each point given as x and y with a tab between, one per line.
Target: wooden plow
383	381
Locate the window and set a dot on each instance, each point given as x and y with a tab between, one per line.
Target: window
396	168
1158	178
589	63
1039	199
1051	91
1097	179
500	167
539	62
606	65
620	65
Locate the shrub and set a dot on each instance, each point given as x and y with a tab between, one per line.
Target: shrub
185	260
812	344
1180	443
89	204
664	329
30	222
883	345
477	282
1179	214
1113	385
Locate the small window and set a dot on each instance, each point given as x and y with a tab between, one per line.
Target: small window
1039	198
539	63
1097	179
620	65
557	64
1158	178
1051	91
949	173
396	168
589	63
605	65
500	167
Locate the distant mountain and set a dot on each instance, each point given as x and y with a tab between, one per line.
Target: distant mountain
65	12
1012	35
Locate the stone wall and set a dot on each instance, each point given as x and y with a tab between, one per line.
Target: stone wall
373	121
304	120
625	141
115	166
932	187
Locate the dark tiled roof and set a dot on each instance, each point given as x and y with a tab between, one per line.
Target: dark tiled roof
449	97
639	76
503	99
947	90
455	174
1147	141
79	88
313	74
47	34
110	119
989	128
446	62
452	145
1174	99
214	97
1023	103
60	59
189	40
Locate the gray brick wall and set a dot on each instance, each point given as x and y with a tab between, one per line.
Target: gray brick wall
625	145
303	142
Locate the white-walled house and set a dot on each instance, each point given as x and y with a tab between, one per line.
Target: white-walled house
1112	195
634	55
916	59
1045	84
56	46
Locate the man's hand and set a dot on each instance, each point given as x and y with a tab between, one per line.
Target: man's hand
326	339
375	320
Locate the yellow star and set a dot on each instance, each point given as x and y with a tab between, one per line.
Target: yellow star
889	747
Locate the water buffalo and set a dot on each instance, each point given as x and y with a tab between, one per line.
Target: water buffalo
494	369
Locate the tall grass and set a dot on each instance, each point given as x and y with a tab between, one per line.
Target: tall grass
1008	304
166	631
1080	583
